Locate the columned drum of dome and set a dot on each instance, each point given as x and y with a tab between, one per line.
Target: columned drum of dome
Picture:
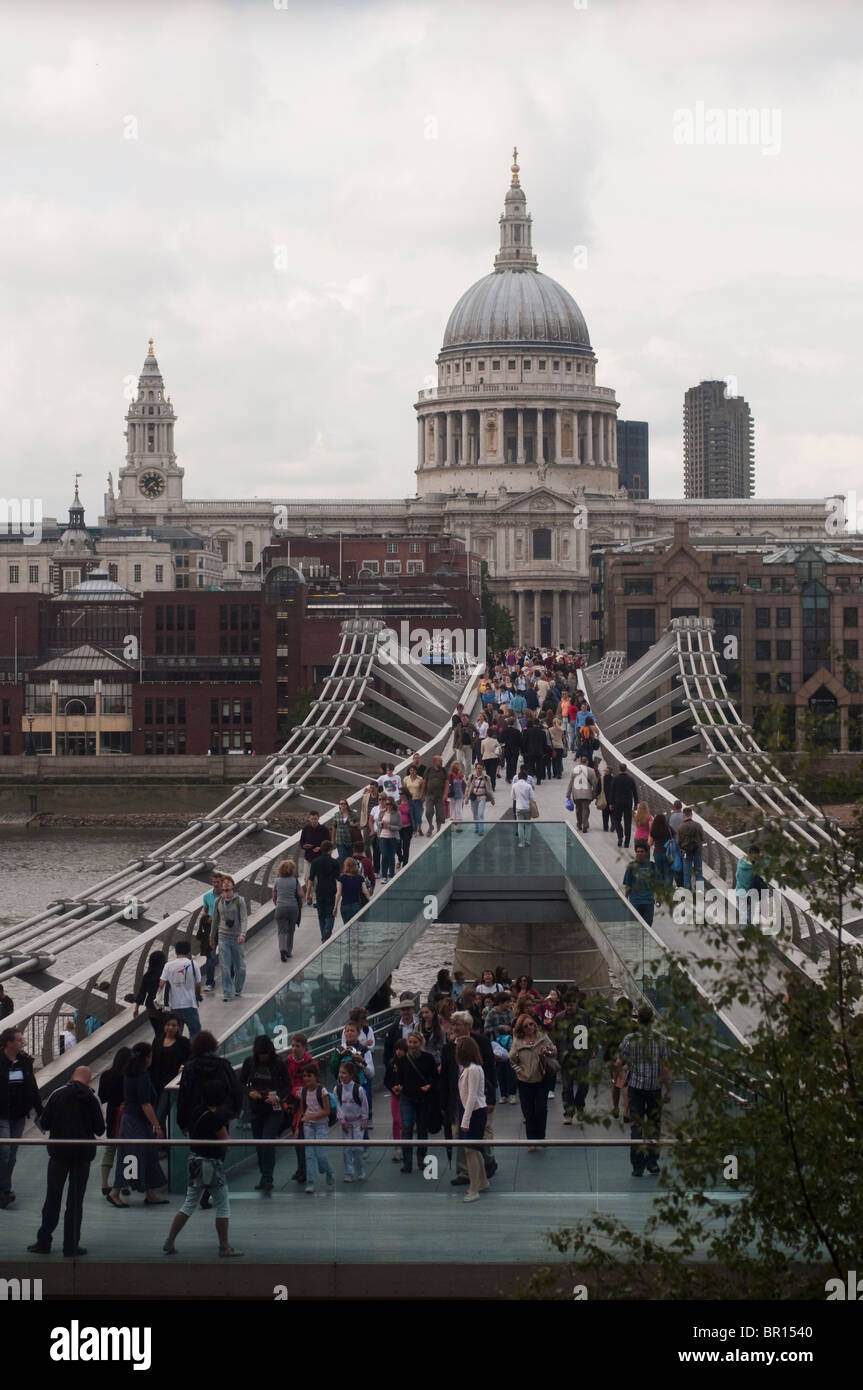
516	404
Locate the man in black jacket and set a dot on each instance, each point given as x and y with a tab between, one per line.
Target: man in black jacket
463	1026
205	1065
511	740
72	1112
19	1095
405	1024
534	746
624	799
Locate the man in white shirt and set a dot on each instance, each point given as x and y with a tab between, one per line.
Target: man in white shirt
184	978
522	796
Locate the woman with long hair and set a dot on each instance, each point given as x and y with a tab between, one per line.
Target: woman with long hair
660	834
445	1008
287	896
642	820
138	1168
406	829
558	743
524	982
472	1112
351	891
433	1035
148	989
529	1056
111	1096
170	1053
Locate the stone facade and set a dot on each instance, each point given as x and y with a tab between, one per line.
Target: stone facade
516	457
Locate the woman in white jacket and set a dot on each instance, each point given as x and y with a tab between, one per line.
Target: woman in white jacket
472	1111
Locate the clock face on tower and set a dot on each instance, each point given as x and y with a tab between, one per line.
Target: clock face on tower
151	484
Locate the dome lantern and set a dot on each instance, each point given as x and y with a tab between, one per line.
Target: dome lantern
516	252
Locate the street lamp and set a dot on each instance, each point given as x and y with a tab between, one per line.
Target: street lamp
30	751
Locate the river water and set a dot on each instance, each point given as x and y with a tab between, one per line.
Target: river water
41	866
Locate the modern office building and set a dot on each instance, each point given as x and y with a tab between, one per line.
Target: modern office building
633	467
718	443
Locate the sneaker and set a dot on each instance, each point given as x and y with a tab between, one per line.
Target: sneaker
310	1187
208	989
347	1178
359	1177
225	999
330	1180
265	1185
653	1167
567	1119
637	1173
513	1100
550	1097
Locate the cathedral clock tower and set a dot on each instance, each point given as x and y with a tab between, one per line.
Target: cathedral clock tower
150	483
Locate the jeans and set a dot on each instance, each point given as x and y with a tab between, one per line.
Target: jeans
523	819
233	958
343	852
405	837
435	811
645	1108
623	823
190	1018
353	1153
690	862
9	1129
413	1117
350	910
505	1078
478	809
388	858
267	1126
574	1094
644	910
210	967
662	865
318	1130
534	1106
416	812
326	921
75	1170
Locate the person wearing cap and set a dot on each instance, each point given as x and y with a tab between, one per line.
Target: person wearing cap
405	1024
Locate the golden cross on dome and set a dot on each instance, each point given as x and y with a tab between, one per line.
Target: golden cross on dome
515	182
150	352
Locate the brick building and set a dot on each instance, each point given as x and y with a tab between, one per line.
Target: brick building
97	669
795	612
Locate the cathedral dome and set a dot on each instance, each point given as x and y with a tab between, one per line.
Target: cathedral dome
516	306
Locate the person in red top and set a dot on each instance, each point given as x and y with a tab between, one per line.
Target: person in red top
296	1062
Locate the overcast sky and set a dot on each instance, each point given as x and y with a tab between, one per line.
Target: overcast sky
308	190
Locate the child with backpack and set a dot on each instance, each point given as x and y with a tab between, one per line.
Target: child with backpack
352	1109
313	1122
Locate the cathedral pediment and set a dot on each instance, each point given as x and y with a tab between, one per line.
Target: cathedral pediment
541	499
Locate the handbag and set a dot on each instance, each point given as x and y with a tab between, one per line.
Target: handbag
602	802
534	810
569	804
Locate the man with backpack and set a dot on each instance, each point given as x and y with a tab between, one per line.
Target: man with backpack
690	839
